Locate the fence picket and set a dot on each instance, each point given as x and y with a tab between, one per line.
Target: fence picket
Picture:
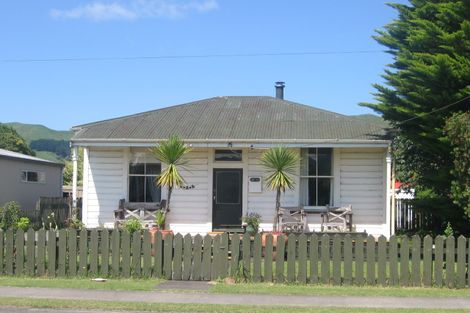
427	261
94	252
62	259
215	257
116	252
336	260
30	252
206	258
235	255
187	256
147	253
9	255
461	256
83	251
359	258
291	245
370	260
348	260
313	258
136	251
1	251
196	271
41	252
268	258
19	250
450	261
325	259
246	251
178	257
382	261
393	261
51	252
404	262
280	251
168	256
157	248
416	260
302	274
257	258
104	249
438	261
72	251
126	254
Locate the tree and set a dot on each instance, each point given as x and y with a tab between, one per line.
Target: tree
281	164
171	153
11	140
428	80
458	131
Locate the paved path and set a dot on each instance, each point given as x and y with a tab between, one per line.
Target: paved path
245	299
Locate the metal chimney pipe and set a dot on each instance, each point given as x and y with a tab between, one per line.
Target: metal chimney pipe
280	90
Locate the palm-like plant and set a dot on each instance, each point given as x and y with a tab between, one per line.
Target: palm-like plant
171	152
281	164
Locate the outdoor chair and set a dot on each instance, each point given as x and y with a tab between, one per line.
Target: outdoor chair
337	219
292	220
143	211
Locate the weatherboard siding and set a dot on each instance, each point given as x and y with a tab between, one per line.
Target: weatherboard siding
362	185
106	174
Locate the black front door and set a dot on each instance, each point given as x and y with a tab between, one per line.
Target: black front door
227	198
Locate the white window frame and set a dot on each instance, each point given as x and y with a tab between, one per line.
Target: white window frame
40	174
304	178
144	162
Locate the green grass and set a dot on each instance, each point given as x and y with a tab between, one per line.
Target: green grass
315	290
179	308
81	283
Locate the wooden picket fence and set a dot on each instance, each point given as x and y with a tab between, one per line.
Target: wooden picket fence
313	259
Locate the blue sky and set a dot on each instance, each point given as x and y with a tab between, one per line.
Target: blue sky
62	94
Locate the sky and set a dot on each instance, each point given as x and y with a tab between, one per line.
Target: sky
66	63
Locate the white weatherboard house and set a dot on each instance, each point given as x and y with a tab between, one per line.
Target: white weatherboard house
344	162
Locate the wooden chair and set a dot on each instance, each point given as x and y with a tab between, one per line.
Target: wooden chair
143	211
337	219
292	220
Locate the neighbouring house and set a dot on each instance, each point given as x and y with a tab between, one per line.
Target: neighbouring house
343	162
25	178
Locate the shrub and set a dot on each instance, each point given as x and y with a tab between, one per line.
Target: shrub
132	225
252	221
23	224
160	219
9	215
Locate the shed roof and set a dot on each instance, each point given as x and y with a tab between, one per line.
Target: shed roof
232	118
15	155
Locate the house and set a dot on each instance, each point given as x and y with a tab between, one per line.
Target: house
344	162
25	178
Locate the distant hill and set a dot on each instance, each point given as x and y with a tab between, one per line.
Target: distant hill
32	132
48	144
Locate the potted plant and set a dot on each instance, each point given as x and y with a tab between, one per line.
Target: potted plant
251	222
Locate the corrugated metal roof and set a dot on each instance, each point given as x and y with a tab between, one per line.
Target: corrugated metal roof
232	118
16	155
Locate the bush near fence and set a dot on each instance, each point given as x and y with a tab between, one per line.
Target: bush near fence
325	259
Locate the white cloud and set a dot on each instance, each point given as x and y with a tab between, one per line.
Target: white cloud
101	11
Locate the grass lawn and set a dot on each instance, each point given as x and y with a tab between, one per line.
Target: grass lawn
81	283
179	308
286	289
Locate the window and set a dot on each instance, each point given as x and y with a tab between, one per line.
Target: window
228	155
316	180
142	182
33	177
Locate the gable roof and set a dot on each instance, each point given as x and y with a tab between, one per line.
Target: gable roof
231	118
28	158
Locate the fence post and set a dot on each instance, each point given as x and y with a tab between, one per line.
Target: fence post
94	252
461	264
359	258
393	261
291	243
427	261
246	251
62	260
168	256
325	259
336	260
257	258
348	260
147	251
313	259
126	254
83	267
30	252
2	255
51	252
9	257
206	258
197	255
136	253
438	260
178	257
104	248
116	252
404	261
371	260
268	258
416	261
72	251
41	252
187	256
280	252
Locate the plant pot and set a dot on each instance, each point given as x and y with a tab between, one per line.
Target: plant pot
250	229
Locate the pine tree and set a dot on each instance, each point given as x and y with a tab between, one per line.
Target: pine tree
428	80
